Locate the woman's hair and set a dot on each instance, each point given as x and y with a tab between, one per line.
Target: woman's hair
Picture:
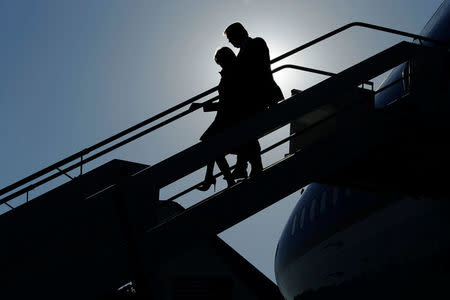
224	54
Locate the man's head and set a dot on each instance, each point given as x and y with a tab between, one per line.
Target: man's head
236	34
224	57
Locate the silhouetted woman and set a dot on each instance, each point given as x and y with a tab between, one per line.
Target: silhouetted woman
226	111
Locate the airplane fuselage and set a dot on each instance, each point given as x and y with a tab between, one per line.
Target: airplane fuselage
347	241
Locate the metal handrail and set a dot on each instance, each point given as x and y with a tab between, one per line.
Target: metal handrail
290	66
76	165
301	68
136	136
103	143
168	111
356	24
95	156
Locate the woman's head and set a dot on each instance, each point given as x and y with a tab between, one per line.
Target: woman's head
224	57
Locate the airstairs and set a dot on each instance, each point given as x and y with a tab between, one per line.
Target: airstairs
109	226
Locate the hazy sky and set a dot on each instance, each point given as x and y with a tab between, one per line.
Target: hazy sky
75	72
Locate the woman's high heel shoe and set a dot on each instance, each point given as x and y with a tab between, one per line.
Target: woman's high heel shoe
230	181
205	185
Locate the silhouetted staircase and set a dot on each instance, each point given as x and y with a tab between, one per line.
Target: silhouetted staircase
112	227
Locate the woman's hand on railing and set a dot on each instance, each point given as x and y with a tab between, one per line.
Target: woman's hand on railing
207	106
195	106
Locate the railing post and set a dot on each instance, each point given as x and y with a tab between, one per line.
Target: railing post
81	165
65	173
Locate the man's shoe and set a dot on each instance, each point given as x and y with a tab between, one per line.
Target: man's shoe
257	166
255	171
239	173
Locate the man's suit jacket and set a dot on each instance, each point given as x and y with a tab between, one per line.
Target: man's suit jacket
257	85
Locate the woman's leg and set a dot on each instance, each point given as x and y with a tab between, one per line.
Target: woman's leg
209	171
209	178
240	170
225	169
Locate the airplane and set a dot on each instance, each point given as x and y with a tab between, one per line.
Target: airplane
381	229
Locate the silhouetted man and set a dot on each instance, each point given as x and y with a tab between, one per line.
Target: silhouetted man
258	89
